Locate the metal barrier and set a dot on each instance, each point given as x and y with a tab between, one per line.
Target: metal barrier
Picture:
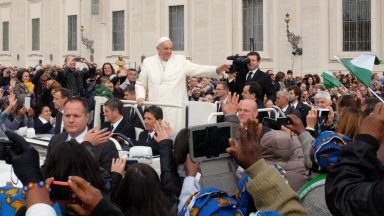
279	110
215	114
269	110
99	101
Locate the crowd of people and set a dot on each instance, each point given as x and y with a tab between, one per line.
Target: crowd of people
322	156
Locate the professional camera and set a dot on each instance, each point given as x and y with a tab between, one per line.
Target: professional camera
239	63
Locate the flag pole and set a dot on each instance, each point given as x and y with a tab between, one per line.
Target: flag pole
374	93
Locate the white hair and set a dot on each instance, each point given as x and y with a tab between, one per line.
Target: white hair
161	40
323	94
285	94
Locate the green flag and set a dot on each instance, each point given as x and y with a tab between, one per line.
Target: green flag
361	67
330	81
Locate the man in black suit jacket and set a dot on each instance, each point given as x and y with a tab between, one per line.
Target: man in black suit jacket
152	114
221	96
256	75
75	124
282	101
59	98
114	119
128	112
295	95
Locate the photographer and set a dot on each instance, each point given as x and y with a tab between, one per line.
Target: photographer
254	74
73	79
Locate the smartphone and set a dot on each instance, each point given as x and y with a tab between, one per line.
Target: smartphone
130	162
27	102
322	112
283	121
276	124
78	59
62	193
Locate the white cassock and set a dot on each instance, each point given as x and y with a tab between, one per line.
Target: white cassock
165	82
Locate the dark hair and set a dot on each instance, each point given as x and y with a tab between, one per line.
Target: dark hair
132	69
115	104
79	100
181	146
254	54
289	72
19	74
316	79
40	109
279	76
254	88
65	93
102	68
130	89
141	192
72	159
296	90
155	111
370	105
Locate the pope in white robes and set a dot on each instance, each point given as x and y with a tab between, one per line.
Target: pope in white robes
163	80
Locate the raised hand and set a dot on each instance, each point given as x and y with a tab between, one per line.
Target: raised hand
96	137
231	105
248	150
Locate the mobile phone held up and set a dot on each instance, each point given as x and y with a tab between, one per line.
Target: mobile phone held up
79	59
27	102
62	193
322	112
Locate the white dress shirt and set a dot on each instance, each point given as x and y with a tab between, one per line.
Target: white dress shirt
114	125
79	138
285	108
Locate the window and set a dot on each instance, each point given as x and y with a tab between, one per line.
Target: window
356	25
72	33
95	7
176	26
118	30
6	36
36	34
253	23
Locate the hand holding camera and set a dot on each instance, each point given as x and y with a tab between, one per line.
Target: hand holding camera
89	195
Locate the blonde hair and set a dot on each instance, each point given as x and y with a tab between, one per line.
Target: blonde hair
104	80
349	122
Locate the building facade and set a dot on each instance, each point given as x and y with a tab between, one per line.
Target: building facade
207	31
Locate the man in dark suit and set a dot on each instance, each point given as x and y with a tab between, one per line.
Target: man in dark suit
130	113
256	75
295	95
59	99
75	124
114	119
152	114
282	101
221	97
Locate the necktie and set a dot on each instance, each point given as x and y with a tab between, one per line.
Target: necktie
111	129
249	77
148	138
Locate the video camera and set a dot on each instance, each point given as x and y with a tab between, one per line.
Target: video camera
239	63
